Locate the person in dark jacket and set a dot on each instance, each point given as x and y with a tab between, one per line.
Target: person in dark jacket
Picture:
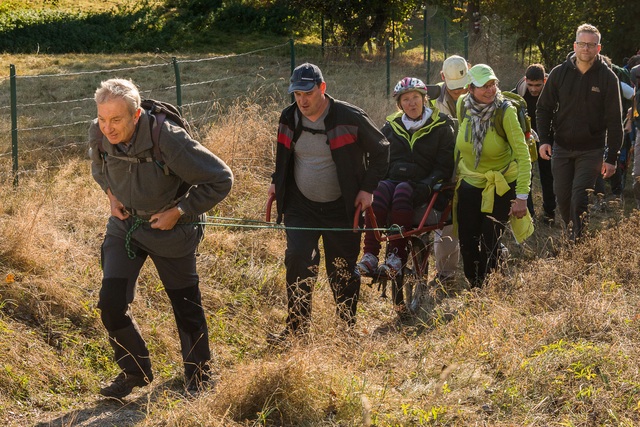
633	127
155	216
582	100
421	140
329	159
530	87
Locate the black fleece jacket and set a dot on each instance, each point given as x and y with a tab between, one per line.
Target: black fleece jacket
585	109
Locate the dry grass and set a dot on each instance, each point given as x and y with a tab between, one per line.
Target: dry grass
551	342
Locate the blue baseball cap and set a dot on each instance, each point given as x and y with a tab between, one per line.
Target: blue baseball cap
305	77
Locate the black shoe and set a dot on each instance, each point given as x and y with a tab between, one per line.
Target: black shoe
124	384
404	315
285	338
280	339
198	382
548	219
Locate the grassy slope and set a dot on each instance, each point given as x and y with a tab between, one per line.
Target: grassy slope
71	5
552	342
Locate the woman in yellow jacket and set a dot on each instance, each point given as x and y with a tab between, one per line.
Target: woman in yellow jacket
494	176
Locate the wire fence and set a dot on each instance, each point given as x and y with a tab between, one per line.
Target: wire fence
47	115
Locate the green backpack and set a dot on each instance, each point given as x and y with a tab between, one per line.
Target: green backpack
517	101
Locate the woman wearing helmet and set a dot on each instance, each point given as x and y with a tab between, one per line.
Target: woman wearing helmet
421	144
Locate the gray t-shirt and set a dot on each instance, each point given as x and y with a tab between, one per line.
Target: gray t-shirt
314	170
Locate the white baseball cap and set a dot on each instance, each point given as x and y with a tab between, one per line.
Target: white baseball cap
455	69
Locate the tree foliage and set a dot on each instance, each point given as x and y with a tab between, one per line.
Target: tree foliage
354	23
550	25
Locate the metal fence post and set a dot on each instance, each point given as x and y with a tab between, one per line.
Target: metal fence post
446	37
424	35
292	53
388	67
428	58
176	70
466	44
323	36
14	123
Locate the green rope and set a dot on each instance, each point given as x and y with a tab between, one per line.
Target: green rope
254	224
273	226
127	239
226	218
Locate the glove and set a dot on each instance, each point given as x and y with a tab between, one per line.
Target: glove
421	193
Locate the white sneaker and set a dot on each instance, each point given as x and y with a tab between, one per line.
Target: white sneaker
392	265
368	264
503	251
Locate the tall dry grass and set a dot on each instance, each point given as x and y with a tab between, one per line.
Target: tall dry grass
552	341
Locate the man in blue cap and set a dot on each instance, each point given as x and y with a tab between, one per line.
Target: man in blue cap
339	157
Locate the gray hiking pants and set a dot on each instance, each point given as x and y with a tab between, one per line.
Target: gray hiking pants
574	173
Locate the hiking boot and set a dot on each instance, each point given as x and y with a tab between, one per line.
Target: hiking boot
442	280
548	219
404	314
199	381
124	384
392	265
503	252
368	264
282	339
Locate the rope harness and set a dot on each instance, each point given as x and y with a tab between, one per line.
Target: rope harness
249	224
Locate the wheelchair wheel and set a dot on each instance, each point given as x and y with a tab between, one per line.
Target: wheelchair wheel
417	270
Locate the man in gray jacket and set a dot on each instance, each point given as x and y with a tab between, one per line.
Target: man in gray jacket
153	215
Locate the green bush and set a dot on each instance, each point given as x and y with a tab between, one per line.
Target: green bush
277	18
142	27
51	31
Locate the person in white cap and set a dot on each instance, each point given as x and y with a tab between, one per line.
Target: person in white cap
454	82
446	248
494	176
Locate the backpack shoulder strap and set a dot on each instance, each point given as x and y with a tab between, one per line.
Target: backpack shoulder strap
156	126
462	111
156	119
498	118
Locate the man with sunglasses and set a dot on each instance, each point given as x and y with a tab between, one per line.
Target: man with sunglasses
581	100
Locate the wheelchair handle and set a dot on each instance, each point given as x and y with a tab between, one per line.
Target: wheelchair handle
270	201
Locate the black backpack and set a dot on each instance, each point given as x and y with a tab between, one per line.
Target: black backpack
159	111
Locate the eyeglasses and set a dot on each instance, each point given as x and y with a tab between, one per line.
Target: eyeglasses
582	45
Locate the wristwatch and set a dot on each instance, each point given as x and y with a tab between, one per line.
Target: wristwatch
180	210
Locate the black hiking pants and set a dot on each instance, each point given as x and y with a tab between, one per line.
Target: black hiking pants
302	257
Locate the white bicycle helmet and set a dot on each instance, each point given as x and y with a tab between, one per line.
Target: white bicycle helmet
409	84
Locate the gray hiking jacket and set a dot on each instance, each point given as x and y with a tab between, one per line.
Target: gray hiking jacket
144	189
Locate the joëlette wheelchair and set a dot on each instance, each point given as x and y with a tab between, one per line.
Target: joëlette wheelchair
411	284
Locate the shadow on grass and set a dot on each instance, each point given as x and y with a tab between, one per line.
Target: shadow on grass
113	412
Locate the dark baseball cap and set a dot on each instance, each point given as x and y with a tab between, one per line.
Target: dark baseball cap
305	77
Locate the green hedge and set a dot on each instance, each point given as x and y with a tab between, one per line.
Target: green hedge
143	28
